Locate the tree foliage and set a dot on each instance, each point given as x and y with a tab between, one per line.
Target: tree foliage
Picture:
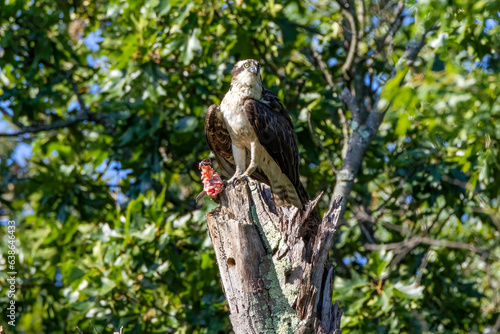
103	108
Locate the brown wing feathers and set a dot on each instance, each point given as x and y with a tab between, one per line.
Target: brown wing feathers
219	141
274	128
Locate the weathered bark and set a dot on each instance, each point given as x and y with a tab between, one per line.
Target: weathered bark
274	263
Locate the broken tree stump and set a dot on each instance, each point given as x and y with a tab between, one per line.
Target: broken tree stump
273	262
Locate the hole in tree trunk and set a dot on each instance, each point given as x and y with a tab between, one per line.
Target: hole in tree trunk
231	262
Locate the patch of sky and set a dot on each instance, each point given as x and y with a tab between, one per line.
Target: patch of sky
21	154
121	198
113	173
5	105
95	89
360	259
375	21
391	147
93	39
464	217
484	64
408	20
357	258
332	61
98	61
315	44
408	199
489	24
73	105
375	83
468	65
408	140
27	212
58	278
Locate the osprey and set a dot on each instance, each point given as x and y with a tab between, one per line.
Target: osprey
251	135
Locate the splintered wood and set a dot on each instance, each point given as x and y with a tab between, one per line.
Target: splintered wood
274	262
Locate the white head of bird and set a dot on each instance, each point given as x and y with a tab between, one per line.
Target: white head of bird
246	75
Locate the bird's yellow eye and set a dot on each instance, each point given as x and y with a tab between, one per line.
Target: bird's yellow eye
246	65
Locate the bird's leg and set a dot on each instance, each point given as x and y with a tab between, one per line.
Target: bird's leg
253	160
239	155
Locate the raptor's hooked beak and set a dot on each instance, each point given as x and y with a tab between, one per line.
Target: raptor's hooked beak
254	69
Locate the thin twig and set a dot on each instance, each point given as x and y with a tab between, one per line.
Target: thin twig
342	118
120	332
423	264
79	97
353	46
263	56
496	326
393	27
416	240
427	230
361	16
93	326
345	132
414	49
99	118
362	216
6	115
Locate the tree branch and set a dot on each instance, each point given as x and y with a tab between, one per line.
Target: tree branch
342	118
353	46
393	27
496	326
413	49
59	124
79	97
84	115
416	240
361	16
363	133
7	115
423	264
352	105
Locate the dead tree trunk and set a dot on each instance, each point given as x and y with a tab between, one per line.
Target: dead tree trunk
273	262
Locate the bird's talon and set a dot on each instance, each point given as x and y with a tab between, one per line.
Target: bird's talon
232	181
246	177
238	180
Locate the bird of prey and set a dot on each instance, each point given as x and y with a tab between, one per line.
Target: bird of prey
251	135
